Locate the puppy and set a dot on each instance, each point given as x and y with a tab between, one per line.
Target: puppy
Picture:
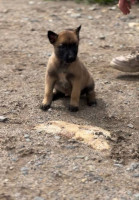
65	73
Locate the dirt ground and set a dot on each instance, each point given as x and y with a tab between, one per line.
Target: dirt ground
38	166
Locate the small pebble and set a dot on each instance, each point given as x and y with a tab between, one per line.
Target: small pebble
102	37
24	170
26	136
31	2
112	8
132	17
118	165
39	198
133	166
11	168
3	119
136	196
79	9
76	15
33	29
136	175
86	158
93	8
57	137
28	140
6	180
130	125
90	17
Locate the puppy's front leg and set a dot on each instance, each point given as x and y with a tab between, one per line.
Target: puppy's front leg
75	96
49	85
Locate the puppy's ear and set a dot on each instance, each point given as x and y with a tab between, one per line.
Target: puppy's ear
77	30
52	37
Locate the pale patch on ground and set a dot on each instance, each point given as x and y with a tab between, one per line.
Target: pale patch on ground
93	136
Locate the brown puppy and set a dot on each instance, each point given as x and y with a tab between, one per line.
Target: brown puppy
65	73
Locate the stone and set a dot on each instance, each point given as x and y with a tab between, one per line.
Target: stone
39	198
134	25
133	166
31	2
136	196
3	119
90	17
113	8
132	17
130	125
102	37
92	8
24	170
26	136
75	15
136	175
118	165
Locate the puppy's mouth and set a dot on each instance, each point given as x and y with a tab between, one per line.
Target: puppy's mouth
70	60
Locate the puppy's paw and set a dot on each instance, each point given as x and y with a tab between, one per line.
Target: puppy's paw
73	108
92	103
44	107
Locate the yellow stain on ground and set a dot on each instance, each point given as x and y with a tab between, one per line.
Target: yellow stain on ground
93	136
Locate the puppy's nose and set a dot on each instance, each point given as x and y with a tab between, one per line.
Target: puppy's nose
71	58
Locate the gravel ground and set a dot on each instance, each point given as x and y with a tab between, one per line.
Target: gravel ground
39	166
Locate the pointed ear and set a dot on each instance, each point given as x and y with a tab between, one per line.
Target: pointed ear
78	30
52	37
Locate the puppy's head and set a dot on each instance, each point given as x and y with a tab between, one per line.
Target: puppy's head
65	44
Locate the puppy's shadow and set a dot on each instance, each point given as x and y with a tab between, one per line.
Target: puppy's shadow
128	77
91	115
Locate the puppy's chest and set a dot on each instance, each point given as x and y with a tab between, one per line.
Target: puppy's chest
63	80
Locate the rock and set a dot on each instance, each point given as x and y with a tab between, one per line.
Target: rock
3	119
28	140
113	8
118	165
90	17
24	170
136	175
93	136
93	8
98	16
91	177
39	198
132	17
57	137
75	15
33	29
133	166
136	196
31	2
38	163
26	136
130	125
90	43
79	9
86	158
102	37
134	25
6	11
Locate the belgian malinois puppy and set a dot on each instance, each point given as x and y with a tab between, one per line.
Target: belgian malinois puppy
65	73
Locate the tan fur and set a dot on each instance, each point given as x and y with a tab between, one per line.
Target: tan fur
70	78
